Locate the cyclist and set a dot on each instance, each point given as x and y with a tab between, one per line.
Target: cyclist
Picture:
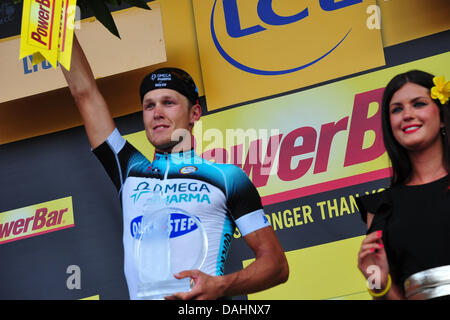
220	195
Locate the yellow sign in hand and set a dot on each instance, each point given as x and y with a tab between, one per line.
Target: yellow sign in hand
67	27
47	31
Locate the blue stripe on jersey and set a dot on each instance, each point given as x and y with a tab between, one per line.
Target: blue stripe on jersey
225	241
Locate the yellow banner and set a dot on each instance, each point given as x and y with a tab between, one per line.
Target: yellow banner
323	272
36	219
252	49
47	31
308	142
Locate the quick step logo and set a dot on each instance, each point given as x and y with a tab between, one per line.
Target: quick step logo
36	219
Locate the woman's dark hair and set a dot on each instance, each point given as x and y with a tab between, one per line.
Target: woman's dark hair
401	164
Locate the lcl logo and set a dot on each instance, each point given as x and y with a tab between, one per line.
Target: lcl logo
270	17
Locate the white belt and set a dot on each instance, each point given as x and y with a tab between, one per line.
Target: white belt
428	284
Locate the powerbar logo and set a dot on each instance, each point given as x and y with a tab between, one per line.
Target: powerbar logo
36	220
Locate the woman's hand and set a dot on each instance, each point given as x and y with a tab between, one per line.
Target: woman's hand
372	261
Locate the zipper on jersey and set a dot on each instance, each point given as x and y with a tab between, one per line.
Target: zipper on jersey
166	174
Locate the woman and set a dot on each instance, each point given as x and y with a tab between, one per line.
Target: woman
407	247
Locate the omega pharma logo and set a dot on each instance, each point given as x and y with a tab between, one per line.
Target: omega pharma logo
179	225
267	15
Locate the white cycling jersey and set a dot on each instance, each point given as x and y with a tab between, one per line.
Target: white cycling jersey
221	196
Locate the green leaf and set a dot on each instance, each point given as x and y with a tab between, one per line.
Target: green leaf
102	13
83	5
114	2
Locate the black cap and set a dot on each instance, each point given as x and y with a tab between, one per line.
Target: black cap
170	78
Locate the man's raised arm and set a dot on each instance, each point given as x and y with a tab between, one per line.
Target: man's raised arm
91	104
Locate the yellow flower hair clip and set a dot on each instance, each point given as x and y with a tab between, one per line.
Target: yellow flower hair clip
441	90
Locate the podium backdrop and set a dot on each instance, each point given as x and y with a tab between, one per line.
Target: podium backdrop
291	93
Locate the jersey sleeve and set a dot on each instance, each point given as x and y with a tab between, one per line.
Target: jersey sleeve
116	154
244	202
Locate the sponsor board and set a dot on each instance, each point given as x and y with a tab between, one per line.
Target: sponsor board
107	54
336	276
121	92
303	143
36	220
95	297
258	48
